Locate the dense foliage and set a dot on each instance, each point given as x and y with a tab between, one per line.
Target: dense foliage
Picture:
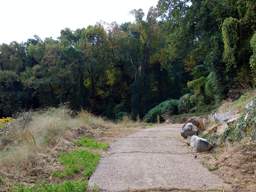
169	107
196	50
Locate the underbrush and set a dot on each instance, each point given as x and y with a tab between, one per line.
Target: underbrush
167	107
239	104
51	150
40	129
78	163
244	127
234	157
4	121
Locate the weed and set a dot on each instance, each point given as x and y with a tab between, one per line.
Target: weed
1	180
212	168
244	99
212	138
67	186
91	143
78	162
6	120
31	136
244	127
239	104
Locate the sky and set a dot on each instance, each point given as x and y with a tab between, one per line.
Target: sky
22	19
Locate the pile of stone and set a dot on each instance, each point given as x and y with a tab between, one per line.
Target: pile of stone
190	131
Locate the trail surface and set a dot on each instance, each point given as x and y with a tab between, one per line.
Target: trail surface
154	159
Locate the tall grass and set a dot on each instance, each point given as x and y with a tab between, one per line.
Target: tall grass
37	131
35	145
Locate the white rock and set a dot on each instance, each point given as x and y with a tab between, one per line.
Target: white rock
200	144
189	129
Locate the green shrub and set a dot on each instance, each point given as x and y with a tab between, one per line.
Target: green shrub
197	85
121	115
68	186
211	88
186	103
91	143
169	107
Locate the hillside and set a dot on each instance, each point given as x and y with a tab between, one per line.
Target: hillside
233	132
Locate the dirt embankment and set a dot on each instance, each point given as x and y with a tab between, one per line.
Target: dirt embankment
234	157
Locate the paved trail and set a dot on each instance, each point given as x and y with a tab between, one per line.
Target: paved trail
153	159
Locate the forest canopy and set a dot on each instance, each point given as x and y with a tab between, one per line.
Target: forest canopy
183	55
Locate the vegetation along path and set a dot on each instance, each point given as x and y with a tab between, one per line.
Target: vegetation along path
153	160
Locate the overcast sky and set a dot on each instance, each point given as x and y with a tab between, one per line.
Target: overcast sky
21	19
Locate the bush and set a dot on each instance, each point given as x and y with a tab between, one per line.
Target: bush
211	88
186	103
169	107
121	115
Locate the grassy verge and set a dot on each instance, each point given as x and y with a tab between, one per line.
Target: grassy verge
67	186
79	163
91	143
51	142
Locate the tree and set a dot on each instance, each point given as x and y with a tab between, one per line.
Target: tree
11	97
230	34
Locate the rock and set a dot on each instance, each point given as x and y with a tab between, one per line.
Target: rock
188	130
223	117
200	144
199	122
249	105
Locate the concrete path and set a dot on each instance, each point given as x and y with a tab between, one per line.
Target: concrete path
153	159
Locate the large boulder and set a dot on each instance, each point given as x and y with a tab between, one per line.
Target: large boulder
223	117
200	144
189	129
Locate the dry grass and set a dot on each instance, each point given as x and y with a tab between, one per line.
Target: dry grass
235	164
239	104
37	130
29	146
